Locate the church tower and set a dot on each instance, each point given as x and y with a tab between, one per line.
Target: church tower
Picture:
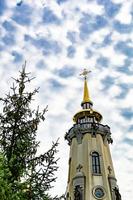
91	174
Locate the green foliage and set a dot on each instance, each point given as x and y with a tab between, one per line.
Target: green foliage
23	174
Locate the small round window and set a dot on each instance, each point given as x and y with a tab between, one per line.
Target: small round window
98	192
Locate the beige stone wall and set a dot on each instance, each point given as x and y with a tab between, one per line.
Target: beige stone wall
81	154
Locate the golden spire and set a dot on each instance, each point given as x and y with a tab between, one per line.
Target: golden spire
87	104
86	96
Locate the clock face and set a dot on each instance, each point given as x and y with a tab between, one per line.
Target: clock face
99	192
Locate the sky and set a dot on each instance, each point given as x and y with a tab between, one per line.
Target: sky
58	39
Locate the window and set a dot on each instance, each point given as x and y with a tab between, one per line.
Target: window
99	192
96	163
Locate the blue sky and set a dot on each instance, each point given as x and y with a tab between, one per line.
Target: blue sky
58	38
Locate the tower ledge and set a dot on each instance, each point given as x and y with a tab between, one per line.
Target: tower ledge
78	130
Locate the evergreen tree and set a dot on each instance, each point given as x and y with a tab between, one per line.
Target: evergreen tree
24	175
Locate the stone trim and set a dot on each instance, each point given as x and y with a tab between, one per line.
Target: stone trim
78	130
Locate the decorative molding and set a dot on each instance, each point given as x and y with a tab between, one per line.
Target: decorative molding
114	188
79	182
110	170
78	193
103	192
79	167
95	150
78	130
79	136
117	193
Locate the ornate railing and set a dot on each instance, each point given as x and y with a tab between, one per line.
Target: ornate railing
78	130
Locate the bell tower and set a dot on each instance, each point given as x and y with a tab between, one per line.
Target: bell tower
91	174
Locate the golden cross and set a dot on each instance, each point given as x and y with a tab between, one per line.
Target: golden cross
84	73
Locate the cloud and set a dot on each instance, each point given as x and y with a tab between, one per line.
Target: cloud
126	68
22	14
124	48
89	24
128	141
55	85
107	39
71	35
66	71
8	40
2	7
8	26
41	64
88	53
49	17
61	1
127	113
71	51
17	56
130	129
103	61
124	90
125	14
47	45
122	28
108	82
111	9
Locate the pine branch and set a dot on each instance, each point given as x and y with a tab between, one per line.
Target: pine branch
30	176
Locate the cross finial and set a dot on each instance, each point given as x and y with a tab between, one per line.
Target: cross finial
79	167
85	73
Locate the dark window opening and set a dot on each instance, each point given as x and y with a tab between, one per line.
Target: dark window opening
96	163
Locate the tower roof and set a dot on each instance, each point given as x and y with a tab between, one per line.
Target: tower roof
87	104
86	95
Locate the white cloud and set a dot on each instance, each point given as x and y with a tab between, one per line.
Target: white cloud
124	16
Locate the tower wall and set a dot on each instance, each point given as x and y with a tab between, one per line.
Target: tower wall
80	154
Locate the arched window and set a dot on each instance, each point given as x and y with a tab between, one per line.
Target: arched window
96	163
